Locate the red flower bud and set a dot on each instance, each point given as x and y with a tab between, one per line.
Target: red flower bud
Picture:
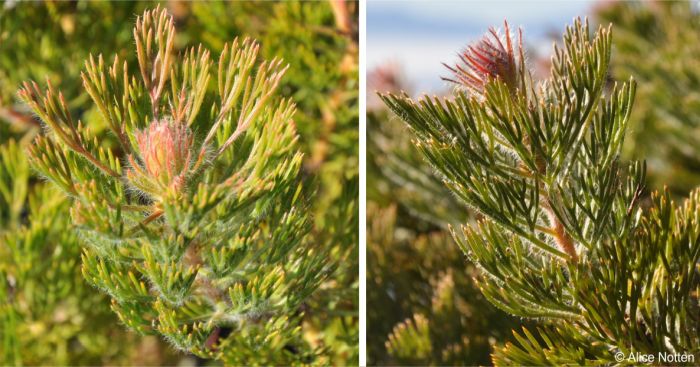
490	58
166	152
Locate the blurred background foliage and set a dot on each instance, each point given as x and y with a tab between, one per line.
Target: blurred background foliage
51	316
658	43
423	306
414	268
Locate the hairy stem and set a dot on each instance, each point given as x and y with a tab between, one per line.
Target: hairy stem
563	240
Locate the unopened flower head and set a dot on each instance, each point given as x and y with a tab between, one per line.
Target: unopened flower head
385	78
492	57
166	151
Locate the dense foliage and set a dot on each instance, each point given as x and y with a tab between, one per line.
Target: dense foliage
426	308
563	239
323	326
320	41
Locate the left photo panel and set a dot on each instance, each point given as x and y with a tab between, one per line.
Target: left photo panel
179	183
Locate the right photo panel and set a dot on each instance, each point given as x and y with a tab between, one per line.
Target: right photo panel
531	183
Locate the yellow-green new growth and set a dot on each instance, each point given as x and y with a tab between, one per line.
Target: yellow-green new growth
190	211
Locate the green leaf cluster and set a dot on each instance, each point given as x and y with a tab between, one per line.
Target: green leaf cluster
563	239
307	36
426	308
320	41
190	209
49	314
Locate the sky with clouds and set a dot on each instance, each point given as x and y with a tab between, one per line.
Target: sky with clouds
420	35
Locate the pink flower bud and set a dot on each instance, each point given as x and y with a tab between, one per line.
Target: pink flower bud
166	151
492	57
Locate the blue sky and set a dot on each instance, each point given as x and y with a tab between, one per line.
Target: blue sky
419	35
